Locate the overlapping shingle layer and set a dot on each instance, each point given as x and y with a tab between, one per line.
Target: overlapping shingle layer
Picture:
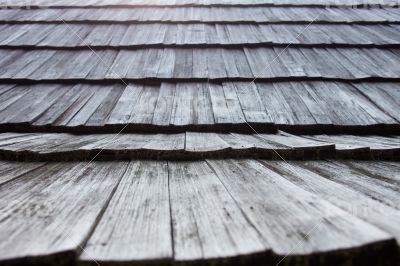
196	3
200	64
206	14
210	115
195	145
228	211
302	106
196	34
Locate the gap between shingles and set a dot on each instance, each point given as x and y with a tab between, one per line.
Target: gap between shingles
170	213
238	206
372	101
89	234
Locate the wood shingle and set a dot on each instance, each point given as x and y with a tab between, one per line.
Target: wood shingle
199	132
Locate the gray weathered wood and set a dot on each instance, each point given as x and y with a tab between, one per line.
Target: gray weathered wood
311	178
285	214
63	146
207	224
178	63
303	105
47	214
11	170
136	226
344	174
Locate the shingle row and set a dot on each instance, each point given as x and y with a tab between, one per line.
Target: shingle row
199	63
204	14
194	145
142	211
134	3
158	34
207	107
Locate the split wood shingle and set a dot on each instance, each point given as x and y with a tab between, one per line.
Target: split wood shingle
199	64
236	15
216	209
172	107
187	132
196	3
195	35
195	145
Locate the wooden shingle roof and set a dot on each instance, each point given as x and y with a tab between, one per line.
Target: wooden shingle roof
199	132
296	106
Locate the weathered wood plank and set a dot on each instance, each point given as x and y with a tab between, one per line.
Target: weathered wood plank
64	147
386	96
384	171
251	104
143	112
166	142
233	104
372	187
104	110
136	226
165	101
312	178
47	214
204	142
205	13
178	106
191	105
123	108
286	215
207	224
75	104
298	142
150	63
11	170
83	115
70	100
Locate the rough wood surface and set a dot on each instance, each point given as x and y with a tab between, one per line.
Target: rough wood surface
136	227
214	211
193	145
189	101
204	14
351	146
285	214
207	223
225	3
175	107
386	171
204	35
375	188
12	170
47	214
312	177
67	64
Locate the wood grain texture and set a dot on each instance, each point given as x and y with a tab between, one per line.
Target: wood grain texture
348	146
358	180
193	145
225	3
312	177
209	212
136	132
204	35
204	14
136	227
386	171
285	214
48	213
207	223
144	64
302	107
12	170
